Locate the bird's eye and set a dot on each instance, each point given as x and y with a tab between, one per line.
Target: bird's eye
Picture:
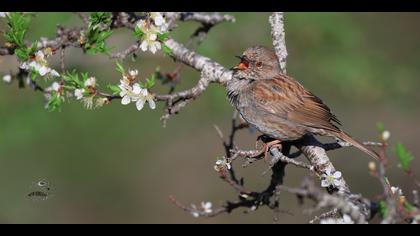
259	64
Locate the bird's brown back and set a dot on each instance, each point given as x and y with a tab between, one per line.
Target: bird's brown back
285	97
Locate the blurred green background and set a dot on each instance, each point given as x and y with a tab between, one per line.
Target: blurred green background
118	165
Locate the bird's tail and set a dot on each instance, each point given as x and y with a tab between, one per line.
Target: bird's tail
342	135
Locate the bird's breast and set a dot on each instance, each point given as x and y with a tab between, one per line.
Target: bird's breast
234	89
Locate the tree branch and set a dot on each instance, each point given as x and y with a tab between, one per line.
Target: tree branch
279	38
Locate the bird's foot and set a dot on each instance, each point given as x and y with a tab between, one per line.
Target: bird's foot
266	146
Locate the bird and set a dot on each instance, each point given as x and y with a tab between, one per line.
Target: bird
279	106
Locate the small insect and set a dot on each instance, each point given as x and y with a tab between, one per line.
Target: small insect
40	190
37	194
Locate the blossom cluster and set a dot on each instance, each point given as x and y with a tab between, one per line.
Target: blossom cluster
39	64
87	94
222	164
151	27
130	91
206	207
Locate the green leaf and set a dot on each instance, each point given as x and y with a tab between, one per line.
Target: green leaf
96	18
404	156
72	79
383	209
380	127
138	33
120	68
22	54
96	36
18	24
114	88
55	102
163	37
387	181
409	207
167	50
150	82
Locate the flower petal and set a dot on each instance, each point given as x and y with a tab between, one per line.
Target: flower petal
325	183
143	46
140	104
55	86
337	175
153	48
125	100
152	37
54	73
336	183
158	46
24	66
7	78
123	93
206	205
152	103
43	70
137	89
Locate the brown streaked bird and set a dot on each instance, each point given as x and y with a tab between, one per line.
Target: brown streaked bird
279	106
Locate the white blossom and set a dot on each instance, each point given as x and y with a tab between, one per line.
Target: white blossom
396	191
150	40
101	101
143	97
55	86
157	18
159	21
207	207
7	78
40	68
372	166
142	25
78	93
133	73
40	57
330	179
150	43
40	65
386	135
129	93
90	82
135	94
194	211
345	220
222	164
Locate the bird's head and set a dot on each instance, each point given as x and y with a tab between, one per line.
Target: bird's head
256	63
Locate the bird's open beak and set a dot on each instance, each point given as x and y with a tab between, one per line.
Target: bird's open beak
243	65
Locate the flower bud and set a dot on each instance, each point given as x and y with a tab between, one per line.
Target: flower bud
386	135
372	166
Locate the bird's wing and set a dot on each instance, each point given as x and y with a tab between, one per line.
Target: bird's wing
286	98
